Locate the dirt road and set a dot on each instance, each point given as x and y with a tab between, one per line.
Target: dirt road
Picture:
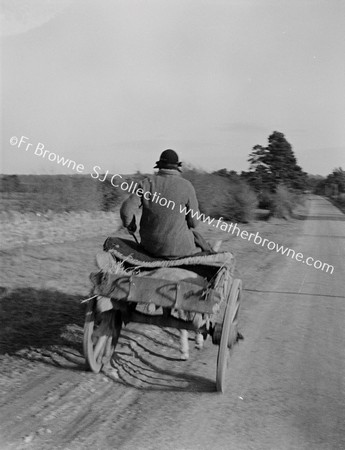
286	380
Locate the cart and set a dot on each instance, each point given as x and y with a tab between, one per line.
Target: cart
121	285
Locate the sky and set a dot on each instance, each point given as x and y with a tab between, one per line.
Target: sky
113	83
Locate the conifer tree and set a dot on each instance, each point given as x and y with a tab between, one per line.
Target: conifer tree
275	164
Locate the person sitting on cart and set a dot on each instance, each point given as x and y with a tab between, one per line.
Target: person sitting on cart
164	231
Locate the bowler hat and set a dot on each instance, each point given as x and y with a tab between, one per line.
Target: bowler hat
168	160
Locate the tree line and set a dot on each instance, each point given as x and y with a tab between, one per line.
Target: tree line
274	182
275	165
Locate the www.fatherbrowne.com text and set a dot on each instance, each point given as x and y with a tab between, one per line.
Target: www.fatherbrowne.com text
135	188
233	228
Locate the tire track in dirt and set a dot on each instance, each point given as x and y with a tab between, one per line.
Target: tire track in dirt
53	411
21	411
54	408
114	418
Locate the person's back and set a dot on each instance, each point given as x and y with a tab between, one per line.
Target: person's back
165	225
165	229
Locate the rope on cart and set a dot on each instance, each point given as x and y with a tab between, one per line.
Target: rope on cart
88	299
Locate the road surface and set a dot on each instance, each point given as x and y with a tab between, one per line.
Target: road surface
285	382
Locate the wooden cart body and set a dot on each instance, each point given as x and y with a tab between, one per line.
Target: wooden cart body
120	286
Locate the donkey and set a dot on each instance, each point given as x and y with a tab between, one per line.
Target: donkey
178	274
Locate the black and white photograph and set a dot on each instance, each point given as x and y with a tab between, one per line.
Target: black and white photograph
172	225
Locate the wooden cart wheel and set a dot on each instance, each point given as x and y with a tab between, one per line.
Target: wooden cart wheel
229	333
222	286
101	333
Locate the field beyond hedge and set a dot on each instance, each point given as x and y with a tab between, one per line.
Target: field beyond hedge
22	229
57	193
219	196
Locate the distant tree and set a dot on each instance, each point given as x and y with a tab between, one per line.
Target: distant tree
337	177
316	183
230	174
334	183
221	172
275	164
259	179
257	157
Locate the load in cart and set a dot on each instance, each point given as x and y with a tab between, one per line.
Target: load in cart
196	293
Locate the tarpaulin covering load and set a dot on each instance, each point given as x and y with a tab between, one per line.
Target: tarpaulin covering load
132	254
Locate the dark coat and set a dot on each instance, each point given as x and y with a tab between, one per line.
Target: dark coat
164	230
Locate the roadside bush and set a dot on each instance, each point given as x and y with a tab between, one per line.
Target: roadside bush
242	203
211	191
266	200
112	197
283	202
218	196
339	201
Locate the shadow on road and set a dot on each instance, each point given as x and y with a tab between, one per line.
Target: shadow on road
39	319
138	365
47	326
